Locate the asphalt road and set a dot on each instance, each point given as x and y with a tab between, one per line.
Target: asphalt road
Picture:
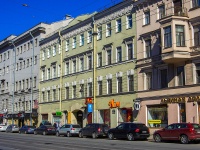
15	141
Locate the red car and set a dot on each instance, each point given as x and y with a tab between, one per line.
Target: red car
185	132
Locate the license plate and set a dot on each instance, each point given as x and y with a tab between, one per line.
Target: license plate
144	131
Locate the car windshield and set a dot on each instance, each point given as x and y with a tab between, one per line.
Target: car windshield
196	126
140	125
76	126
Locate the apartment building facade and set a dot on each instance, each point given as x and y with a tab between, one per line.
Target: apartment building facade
19	69
91	61
168	62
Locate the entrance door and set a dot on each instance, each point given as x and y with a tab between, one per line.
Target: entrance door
80	118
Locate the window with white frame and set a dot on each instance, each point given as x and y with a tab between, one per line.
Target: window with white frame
119	85
8	55
119	54
27	83
130	83
180	76
74	91
99	33
89	36
81	90
163	78
109	86
81	64
180	36
48	74
23	84
48	96
195	3
109	57
146	18
99	59
31	61
74	66
167	37
90	89
148	48
148	80
197	35
1	58
59	70
17	67
100	88
118	25
67	45
67	92
161	11
43	74
130	50
7	69
129	23
35	60
54	50
48	52
35	81
197	73
108	29
43	97
58	93
81	39
74	42
54	71
54	95
66	68
89	64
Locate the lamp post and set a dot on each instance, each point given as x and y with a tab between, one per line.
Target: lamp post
32	79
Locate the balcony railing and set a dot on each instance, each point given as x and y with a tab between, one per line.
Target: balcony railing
176	11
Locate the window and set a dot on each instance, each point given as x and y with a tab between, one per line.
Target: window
54	95
24	47
109	57
180	76
67	45
118	25
130	51
74	92
23	84
130	83
67	92
180	37
167	37
195	3
54	50
54	72
81	39
4	58
148	48
198	73
81	90
90	89
182	112
163	78
161	11
100	87
27	83
48	74
36	42
0	58
119	85
89	62
109	85
81	64
31	61
43	54
48	96
129	23
43	75
99	61
43	97
148	80
67	68
119	54
59	70
8	56
35	61
48	52
20	85
59	48
99	33
7	69
74	66
146	17
74	42
108	29
89	40
197	35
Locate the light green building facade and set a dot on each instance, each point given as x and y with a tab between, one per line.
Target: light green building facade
67	73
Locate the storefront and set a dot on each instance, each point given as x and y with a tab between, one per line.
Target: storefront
104	116
125	115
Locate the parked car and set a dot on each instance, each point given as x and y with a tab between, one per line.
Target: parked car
27	129
3	127
129	130
183	132
45	129
69	130
12	128
45	123
94	130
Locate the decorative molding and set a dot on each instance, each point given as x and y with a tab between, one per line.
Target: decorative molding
89	80
109	76
130	72
81	81
119	74
67	84
99	78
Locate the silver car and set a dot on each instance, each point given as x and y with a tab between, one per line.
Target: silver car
69	130
3	127
12	128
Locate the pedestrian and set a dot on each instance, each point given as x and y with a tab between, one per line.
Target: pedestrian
55	125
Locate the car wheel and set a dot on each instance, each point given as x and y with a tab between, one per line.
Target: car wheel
130	136
35	132
157	138
80	135
110	136
68	134
44	133
57	134
184	139
25	132
94	135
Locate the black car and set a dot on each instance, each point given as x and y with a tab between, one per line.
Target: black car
94	130
27	129
131	131
45	129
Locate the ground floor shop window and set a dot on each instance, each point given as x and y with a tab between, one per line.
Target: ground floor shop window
125	115
104	116
45	117
157	116
182	112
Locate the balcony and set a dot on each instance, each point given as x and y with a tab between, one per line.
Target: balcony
175	56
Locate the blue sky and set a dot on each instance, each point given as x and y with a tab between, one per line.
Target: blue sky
18	16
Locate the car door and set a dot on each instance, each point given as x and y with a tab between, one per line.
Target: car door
92	129
23	129
62	130
169	132
85	130
119	131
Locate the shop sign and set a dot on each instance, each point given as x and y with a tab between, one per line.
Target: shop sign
58	113
89	107
88	100
173	100
113	104
137	105
154	121
194	99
